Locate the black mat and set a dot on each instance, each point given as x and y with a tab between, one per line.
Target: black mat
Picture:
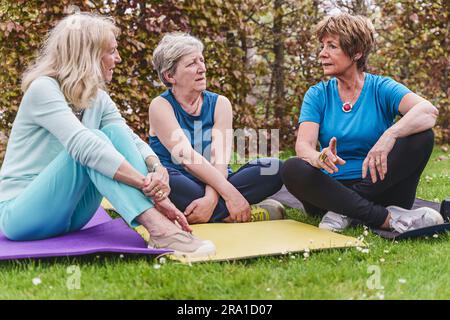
422	232
286	198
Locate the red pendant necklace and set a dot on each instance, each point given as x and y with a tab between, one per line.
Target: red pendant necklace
348	105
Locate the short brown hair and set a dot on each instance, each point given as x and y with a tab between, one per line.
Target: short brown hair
356	34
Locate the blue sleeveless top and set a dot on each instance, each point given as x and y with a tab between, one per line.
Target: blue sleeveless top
198	130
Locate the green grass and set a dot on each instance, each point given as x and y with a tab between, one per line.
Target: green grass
422	266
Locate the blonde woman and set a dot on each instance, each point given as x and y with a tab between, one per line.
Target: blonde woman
368	168
69	147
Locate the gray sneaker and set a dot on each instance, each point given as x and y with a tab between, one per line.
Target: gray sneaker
403	220
334	222
266	210
183	244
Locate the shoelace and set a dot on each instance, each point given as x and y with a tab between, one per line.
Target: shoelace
335	220
402	223
259	214
185	238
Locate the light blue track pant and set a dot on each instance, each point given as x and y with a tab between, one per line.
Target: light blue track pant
65	195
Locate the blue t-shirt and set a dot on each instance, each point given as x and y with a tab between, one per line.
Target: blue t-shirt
198	130
358	130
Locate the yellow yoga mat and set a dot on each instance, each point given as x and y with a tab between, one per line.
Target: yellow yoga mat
247	240
254	239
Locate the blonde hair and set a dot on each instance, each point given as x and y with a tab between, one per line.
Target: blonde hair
172	47
356	35
72	55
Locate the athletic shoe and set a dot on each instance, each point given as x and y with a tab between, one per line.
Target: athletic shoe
183	244
403	220
266	210
334	222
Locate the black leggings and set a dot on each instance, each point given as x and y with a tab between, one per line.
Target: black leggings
361	199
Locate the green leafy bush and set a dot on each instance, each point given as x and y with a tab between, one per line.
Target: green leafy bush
261	54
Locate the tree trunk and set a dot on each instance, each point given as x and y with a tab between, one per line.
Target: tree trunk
278	67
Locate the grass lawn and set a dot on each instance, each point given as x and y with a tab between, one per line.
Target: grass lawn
418	269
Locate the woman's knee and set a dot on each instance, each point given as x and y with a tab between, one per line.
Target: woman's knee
421	141
426	138
271	167
275	170
297	171
269	173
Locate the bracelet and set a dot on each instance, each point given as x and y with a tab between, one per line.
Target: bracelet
154	166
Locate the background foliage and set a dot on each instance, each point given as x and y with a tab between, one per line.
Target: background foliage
261	54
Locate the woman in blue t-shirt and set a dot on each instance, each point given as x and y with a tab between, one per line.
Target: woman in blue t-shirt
191	132
368	167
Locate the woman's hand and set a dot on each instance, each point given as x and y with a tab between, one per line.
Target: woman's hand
328	158
238	207
376	159
163	172
167	208
200	210
156	184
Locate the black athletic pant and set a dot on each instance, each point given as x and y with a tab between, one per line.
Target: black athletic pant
256	180
361	199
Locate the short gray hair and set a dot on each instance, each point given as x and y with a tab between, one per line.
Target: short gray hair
172	47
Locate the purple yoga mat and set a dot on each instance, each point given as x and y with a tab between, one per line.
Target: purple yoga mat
101	234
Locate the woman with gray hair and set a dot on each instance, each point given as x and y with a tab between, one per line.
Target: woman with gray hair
70	147
191	132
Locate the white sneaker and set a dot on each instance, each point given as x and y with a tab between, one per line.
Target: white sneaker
403	220
334	222
183	244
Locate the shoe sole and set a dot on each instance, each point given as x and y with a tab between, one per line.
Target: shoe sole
417	233
330	229
325	226
207	249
